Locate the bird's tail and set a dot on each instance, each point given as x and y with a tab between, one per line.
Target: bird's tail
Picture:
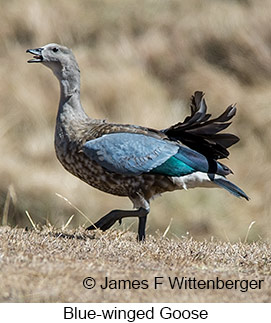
230	187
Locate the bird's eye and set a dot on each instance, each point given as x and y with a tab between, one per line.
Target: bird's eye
55	49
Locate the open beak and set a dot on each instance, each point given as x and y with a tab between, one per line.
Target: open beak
37	58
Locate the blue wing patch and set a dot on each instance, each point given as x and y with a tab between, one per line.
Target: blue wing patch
129	153
187	161
173	167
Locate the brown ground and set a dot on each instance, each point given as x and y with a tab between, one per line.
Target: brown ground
50	265
140	62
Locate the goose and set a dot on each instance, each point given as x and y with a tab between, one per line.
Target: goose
135	161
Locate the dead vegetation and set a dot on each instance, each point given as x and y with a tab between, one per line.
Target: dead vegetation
50	265
140	63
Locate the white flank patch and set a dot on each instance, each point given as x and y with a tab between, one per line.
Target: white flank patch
197	179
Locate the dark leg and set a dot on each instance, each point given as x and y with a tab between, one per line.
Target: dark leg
117	215
141	228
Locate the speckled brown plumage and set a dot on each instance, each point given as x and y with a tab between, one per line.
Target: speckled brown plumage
69	153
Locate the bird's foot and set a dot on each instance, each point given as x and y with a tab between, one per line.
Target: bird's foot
117	215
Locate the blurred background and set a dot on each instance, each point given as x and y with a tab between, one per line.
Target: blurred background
140	63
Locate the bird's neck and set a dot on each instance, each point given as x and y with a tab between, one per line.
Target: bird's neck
70	107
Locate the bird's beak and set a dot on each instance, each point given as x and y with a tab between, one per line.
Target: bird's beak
37	55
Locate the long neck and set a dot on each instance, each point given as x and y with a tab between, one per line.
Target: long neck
71	115
69	105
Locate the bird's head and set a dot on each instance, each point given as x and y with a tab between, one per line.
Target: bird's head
59	59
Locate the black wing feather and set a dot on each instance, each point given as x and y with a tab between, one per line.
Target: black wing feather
201	133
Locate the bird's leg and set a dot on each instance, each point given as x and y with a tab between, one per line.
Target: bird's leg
141	227
117	215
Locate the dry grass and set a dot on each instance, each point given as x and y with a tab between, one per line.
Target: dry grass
140	63
50	265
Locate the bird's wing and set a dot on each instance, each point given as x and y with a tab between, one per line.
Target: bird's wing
129	153
201	133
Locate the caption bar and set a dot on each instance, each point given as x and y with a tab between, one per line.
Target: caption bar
131	315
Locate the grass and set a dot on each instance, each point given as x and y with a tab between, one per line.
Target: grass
140	62
49	265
